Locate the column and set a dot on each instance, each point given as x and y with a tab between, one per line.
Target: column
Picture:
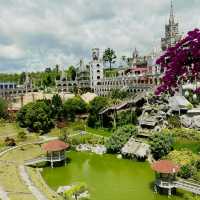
59	156
51	160
169	192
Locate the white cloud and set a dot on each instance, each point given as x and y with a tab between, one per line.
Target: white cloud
43	33
11	52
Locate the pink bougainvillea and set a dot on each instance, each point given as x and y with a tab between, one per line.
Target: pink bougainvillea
181	63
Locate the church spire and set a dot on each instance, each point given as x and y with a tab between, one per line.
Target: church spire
171	19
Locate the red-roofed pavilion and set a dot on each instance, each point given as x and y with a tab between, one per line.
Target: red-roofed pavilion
55	151
166	172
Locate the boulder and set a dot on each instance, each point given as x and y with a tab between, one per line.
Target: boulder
196	122
186	121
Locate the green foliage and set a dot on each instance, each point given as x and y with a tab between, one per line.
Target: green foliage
9	77
184	133
86	139
110	72
71	73
109	56
118	94
119	137
126	117
57	106
36	116
95	106
21	135
75	190
22	78
161	145
174	121
183	157
187	171
3	108
74	106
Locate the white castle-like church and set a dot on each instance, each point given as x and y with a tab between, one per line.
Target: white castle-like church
141	74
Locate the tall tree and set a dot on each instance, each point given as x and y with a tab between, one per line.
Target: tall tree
3	108
37	116
57	107
22	78
71	73
109	56
181	63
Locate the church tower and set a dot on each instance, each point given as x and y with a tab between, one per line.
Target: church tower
172	35
96	68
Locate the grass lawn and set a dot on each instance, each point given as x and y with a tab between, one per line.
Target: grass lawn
75	127
9	129
187	144
99	131
9	173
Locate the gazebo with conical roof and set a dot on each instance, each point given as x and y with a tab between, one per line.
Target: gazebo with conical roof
55	151
166	172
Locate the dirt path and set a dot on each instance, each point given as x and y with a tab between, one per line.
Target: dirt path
34	190
3	194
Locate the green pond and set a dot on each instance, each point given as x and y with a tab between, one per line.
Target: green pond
107	177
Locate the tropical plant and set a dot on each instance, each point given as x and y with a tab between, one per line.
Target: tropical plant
109	56
119	137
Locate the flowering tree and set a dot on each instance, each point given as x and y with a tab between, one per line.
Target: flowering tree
181	63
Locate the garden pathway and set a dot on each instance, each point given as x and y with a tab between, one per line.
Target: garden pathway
3	194
34	190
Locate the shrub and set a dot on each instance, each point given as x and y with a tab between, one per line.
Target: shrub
197	164
183	157
161	145
184	133
21	135
75	190
119	137
174	121
10	141
187	171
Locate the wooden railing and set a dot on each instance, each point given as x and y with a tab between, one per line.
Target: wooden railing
44	159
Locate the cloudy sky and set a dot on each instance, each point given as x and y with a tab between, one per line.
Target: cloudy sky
35	34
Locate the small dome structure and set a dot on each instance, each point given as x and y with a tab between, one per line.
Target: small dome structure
55	145
165	167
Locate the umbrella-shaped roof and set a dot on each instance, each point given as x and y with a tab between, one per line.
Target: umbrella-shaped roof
55	145
165	167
